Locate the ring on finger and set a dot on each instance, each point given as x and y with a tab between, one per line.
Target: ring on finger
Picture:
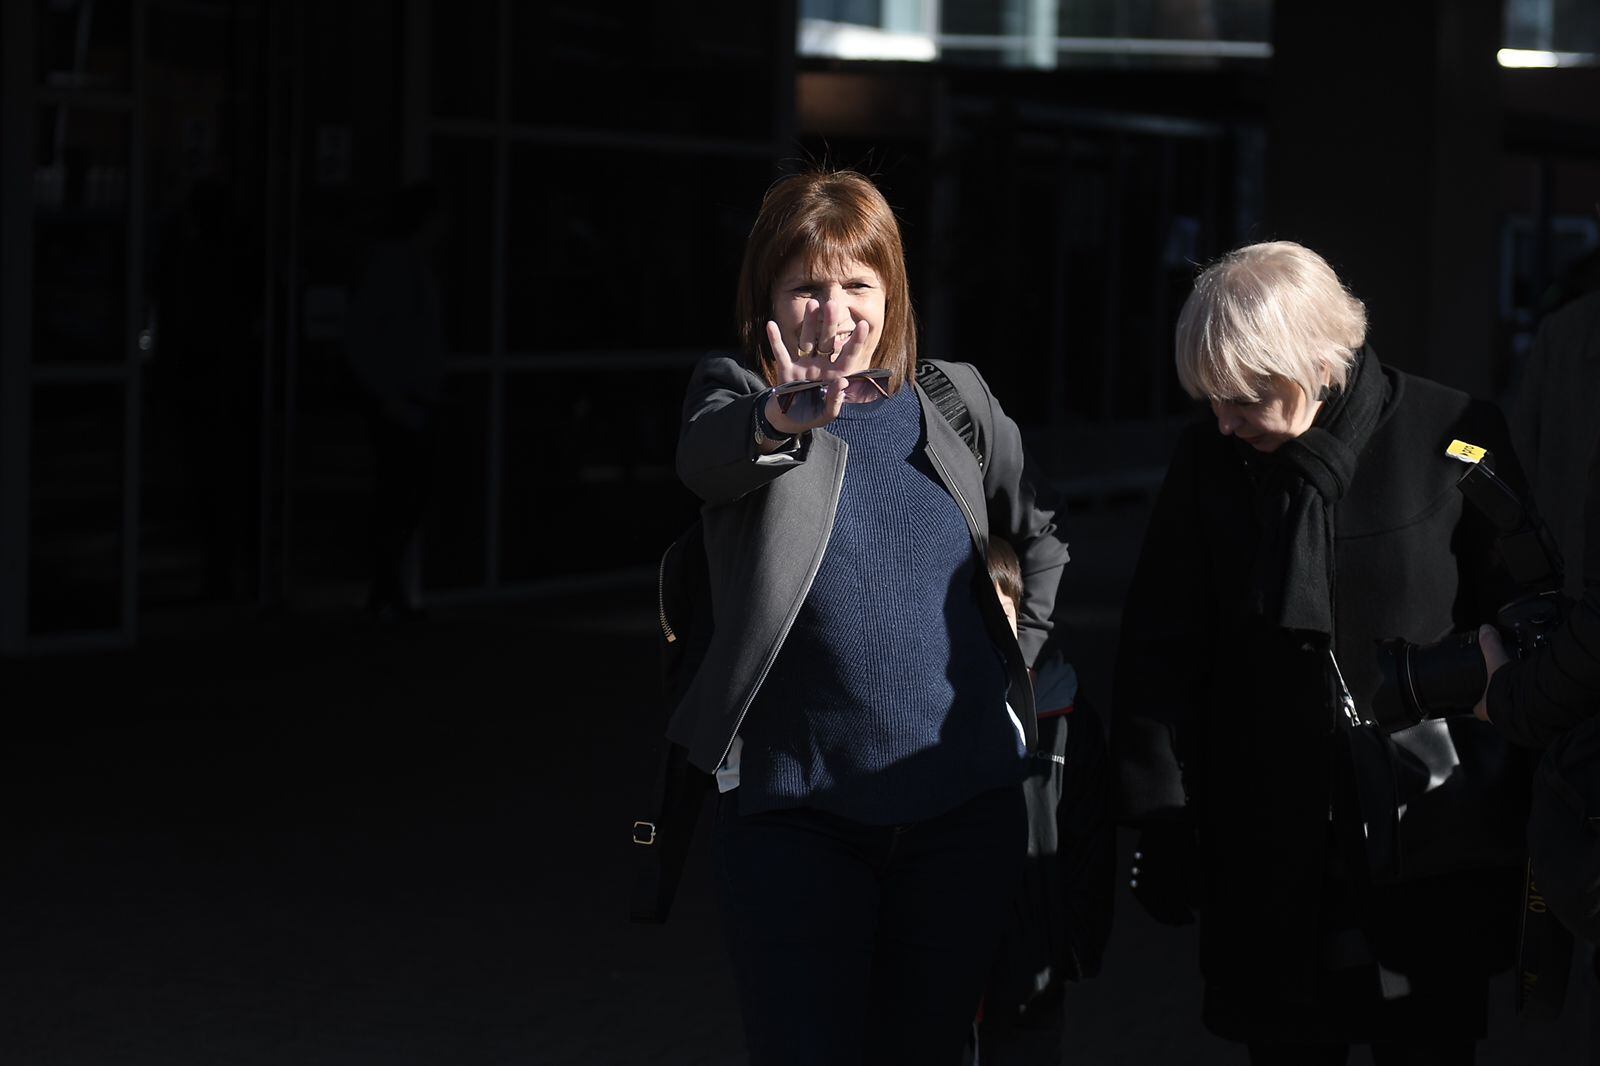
830	351
806	347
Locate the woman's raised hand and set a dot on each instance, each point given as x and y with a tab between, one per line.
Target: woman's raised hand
817	358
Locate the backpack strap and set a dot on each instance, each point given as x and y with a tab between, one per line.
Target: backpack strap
947	398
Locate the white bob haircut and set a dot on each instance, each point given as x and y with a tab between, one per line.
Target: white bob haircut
1273	310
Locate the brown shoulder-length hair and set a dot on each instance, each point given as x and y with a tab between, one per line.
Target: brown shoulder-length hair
830	217
1005	569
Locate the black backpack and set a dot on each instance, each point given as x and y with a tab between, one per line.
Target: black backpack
683	599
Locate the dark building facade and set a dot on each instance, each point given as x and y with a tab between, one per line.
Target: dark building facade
192	193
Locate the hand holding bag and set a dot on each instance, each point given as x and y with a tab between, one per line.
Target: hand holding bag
1444	796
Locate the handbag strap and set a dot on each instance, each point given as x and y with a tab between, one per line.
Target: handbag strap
1544	956
1347	702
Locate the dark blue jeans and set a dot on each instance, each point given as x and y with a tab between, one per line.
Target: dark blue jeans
855	942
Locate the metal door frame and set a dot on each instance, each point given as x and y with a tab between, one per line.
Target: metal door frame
502	131
20	97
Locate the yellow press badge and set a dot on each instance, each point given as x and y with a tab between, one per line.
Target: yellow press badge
1467	453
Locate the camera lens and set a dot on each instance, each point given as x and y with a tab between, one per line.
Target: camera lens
1427	680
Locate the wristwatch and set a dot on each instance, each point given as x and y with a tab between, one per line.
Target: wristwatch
766	434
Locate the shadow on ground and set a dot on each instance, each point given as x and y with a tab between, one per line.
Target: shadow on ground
300	840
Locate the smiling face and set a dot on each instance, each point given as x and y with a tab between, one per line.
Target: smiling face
1282	413
825	216
838	299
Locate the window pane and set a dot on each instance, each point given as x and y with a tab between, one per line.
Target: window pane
75	551
464	169
332	539
565	456
454	530
858	12
80	235
79	295
1024	33
1110	277
464	40
82	43
1552	25
573	280
661	70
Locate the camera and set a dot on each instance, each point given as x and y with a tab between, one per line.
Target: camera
1447	677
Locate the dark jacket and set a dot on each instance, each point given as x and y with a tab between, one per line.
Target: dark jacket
1226	722
1536	700
767	522
1554	427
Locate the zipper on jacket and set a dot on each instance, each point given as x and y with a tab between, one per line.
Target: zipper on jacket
661	597
794	612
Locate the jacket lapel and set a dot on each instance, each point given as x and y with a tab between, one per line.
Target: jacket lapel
954	463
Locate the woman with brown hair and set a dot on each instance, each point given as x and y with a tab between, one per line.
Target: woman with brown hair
852	703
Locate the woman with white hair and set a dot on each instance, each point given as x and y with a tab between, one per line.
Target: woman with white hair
1314	514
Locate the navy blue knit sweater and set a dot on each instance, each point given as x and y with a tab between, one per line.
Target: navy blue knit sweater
886	703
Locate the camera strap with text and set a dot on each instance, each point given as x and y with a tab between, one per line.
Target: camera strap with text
1544	956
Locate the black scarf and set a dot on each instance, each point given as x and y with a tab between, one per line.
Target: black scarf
1298	487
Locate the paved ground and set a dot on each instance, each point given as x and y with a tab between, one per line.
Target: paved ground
299	841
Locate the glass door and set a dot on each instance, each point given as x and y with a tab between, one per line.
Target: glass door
82	442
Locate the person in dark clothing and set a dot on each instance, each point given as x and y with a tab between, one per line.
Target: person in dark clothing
1538	699
1554	428
1317	516
1550	702
395	349
1058	924
869	830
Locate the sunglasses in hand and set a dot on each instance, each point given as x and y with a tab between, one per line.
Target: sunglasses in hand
803	400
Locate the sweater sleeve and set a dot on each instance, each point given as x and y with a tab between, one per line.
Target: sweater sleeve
1164	654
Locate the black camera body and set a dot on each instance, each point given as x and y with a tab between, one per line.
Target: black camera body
1447	677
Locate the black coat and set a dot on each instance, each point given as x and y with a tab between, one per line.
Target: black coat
1230	724
1536	700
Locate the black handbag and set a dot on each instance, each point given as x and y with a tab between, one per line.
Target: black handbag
661	838
1444	796
661	841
